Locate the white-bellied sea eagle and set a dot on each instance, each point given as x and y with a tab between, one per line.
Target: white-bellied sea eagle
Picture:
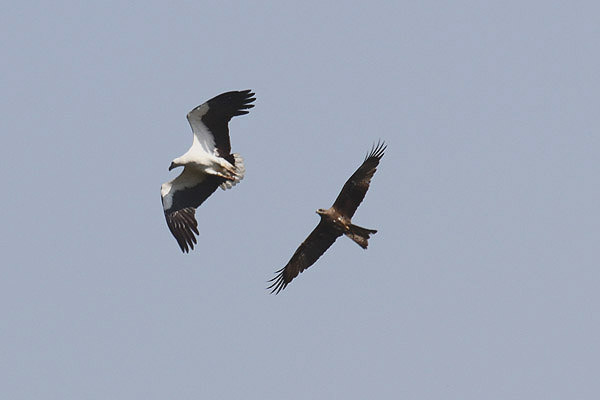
208	164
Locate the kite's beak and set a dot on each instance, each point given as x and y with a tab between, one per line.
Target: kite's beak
172	166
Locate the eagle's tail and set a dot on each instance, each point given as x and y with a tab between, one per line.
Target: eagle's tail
240	170
360	235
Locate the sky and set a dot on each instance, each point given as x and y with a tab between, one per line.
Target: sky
482	281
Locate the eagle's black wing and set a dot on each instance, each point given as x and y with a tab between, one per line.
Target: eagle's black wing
187	192
356	187
319	240
209	121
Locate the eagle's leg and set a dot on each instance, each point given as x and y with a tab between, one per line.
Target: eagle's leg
229	171
222	174
225	176
229	167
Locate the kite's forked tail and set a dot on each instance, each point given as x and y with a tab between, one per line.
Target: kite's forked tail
240	170
360	235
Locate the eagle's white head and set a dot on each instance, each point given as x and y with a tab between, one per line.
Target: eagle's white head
176	163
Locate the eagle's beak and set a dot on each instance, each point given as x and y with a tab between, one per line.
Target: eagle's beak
172	166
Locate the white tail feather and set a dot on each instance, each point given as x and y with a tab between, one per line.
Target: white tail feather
240	170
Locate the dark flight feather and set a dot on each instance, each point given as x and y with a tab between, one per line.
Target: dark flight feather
315	245
181	215
355	188
221	109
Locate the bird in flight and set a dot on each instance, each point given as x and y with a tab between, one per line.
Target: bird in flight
207	165
335	222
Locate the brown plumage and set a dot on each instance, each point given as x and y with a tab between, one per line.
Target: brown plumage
335	222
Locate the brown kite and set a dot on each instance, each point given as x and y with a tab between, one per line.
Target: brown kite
335	222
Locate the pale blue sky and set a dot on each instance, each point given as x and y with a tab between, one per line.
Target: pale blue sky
482	282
